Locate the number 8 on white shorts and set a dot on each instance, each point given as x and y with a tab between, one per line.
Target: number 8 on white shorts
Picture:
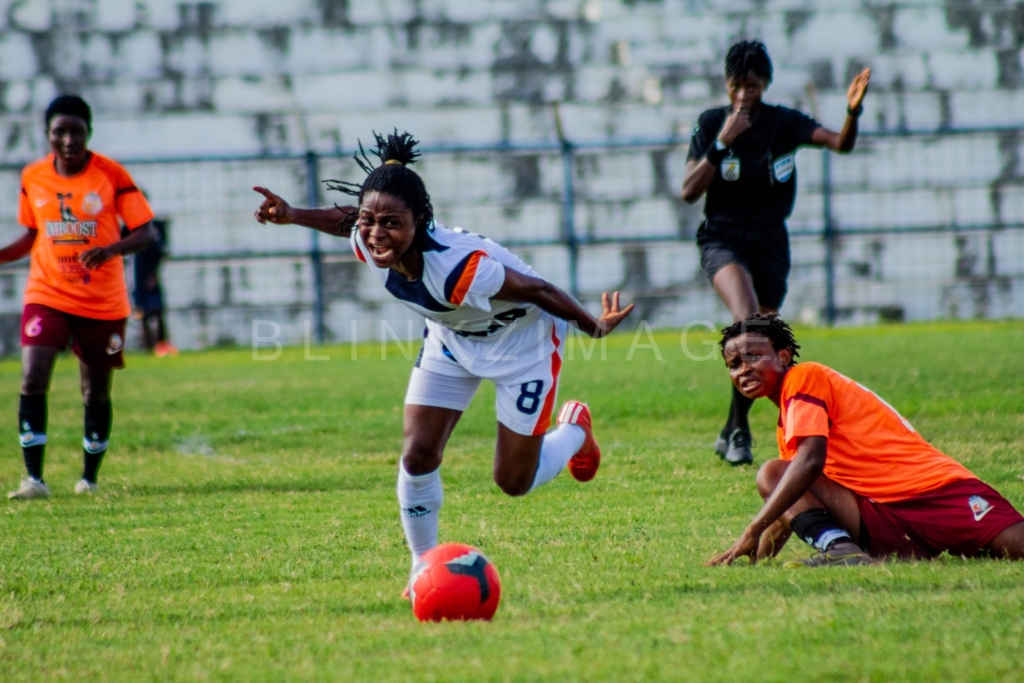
526	391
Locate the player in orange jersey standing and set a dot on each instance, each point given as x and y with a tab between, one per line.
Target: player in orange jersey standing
854	480
70	204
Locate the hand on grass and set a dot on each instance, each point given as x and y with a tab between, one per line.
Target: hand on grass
611	315
745	545
273	209
773	541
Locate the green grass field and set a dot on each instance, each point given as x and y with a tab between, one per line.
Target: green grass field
247	529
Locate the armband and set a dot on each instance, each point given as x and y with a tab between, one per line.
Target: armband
855	113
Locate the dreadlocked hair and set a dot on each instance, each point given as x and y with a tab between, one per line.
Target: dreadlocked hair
392	176
746	56
766	325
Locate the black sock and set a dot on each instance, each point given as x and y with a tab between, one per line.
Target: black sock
739	409
819	529
32	433
98	419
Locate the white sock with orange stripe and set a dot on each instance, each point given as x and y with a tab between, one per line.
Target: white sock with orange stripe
558	447
420	499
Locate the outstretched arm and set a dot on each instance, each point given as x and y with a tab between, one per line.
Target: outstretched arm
844	140
801	474
19	248
137	240
336	221
533	290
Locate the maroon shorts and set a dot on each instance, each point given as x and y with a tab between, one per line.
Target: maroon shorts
962	517
98	343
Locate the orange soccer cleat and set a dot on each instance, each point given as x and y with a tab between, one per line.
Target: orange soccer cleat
582	466
165	348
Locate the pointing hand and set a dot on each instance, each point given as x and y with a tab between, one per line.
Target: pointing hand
273	209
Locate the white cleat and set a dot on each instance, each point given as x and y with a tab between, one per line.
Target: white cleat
85	486
30	488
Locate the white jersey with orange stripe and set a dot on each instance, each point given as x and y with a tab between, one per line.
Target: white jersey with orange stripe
461	273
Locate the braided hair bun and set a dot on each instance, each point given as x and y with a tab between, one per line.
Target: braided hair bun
392	176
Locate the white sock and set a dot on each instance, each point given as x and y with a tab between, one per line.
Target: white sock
558	448
419	500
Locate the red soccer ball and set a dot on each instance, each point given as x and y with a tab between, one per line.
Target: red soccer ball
454	582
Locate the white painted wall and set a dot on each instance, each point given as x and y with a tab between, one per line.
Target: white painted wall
251	77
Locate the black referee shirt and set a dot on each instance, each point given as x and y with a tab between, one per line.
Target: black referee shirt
755	186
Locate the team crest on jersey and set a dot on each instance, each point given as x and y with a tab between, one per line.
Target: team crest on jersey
66	214
69	229
115	344
731	168
783	167
979	506
92	204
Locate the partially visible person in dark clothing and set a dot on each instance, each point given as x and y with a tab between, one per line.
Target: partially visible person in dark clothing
148	295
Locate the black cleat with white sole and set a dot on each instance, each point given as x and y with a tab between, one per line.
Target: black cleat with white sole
721	444
735	449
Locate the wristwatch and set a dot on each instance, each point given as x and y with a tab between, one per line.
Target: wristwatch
717	152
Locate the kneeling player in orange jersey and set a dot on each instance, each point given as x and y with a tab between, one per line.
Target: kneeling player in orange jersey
854	480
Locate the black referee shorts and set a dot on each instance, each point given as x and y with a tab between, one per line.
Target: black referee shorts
764	252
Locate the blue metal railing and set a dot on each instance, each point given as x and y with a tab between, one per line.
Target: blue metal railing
569	238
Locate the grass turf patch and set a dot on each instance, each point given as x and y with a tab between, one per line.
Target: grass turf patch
247	528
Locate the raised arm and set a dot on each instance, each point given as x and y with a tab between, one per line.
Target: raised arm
334	220
801	474
532	290
137	240
19	248
844	141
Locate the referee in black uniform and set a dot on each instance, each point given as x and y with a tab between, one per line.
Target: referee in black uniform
743	157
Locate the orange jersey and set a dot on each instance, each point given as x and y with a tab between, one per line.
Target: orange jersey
73	215
872	449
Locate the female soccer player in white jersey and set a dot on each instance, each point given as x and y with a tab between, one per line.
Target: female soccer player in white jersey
488	316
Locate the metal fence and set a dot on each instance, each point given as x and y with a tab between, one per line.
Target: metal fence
914	225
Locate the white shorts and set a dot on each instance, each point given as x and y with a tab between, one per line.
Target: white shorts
524	366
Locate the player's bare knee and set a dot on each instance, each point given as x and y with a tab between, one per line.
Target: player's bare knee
35	381
512	484
1010	543
94	396
33	386
95	386
419	460
768	477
